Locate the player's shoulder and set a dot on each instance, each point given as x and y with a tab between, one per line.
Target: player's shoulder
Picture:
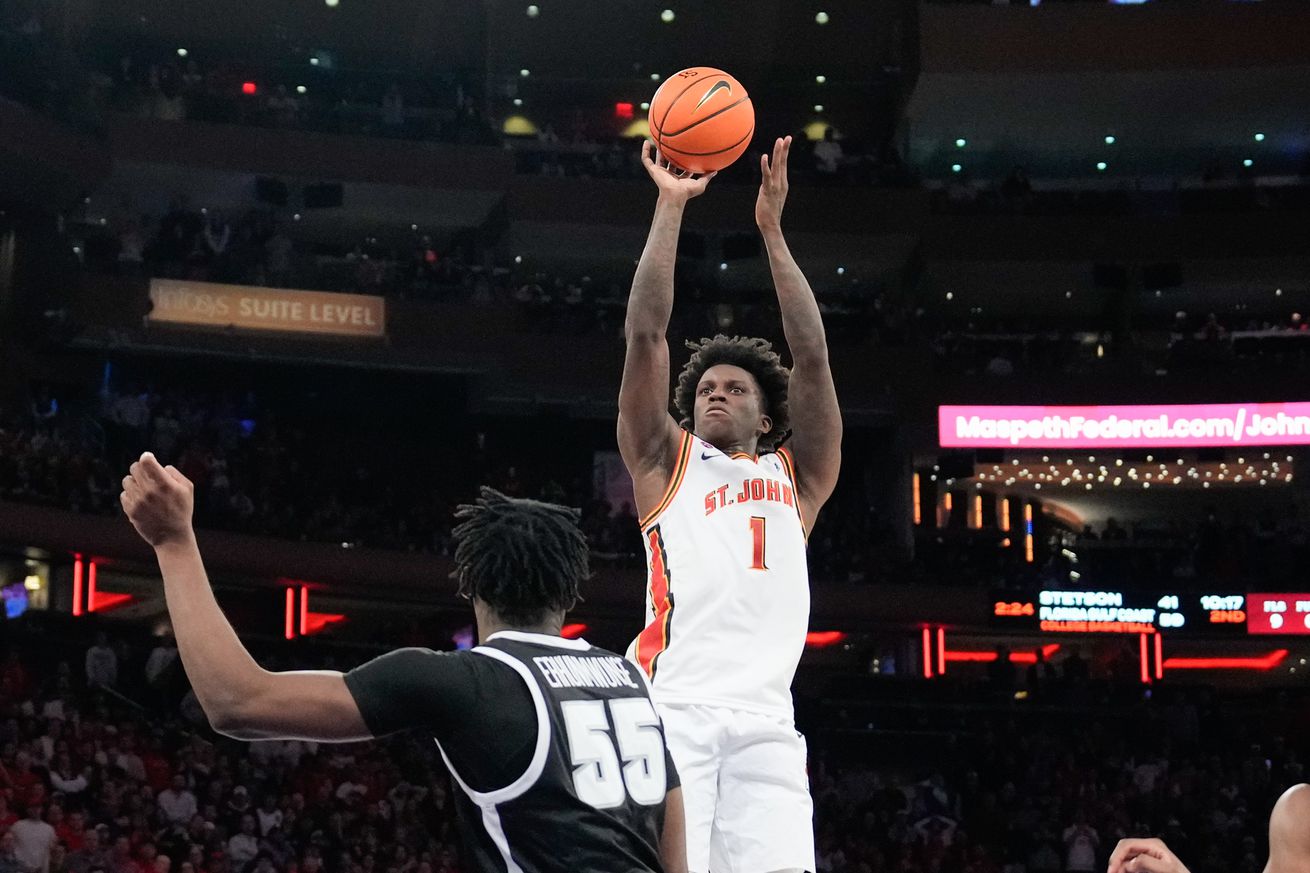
1294	805
1289	836
417	660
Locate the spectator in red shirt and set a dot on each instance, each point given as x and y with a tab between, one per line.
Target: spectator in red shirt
25	785
72	831
159	770
7	815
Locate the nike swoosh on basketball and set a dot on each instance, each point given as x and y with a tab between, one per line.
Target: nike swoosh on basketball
717	86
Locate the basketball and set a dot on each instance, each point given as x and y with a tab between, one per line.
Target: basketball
701	119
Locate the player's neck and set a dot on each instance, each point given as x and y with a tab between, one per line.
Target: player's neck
746	448
493	625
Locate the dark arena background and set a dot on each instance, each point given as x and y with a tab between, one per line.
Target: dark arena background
343	262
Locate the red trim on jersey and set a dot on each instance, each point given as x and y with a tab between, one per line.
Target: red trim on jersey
655	638
675	481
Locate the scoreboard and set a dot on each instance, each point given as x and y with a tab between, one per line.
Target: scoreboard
1278	613
1108	611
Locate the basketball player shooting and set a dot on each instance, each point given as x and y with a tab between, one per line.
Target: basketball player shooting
725	510
555	743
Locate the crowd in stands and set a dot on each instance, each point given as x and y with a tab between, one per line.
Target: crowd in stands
836	161
107	765
260	247
435	108
1004	789
1015	194
259	470
1211	546
259	467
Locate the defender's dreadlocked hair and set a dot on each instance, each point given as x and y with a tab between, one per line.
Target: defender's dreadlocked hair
757	357
523	558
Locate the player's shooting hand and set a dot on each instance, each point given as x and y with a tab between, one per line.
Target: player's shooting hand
1144	856
158	501
671	181
773	186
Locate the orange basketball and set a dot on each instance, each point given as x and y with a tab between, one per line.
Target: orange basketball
701	119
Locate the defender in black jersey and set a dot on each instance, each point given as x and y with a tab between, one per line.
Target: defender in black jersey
555	743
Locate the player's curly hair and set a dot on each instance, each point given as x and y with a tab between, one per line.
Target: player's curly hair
755	356
523	558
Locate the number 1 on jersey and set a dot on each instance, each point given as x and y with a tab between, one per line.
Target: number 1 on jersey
757	540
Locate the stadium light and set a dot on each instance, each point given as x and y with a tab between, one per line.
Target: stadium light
667	16
822	18
961	143
1110	140
534	11
955	168
1102	166
1259	137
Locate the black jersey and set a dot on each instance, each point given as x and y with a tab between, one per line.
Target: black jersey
555	743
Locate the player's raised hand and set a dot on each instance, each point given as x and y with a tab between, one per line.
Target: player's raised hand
1144	856
158	501
773	186
671	181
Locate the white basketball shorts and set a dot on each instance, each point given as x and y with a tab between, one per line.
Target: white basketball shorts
745	788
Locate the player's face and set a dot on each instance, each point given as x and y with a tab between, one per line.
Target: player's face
729	407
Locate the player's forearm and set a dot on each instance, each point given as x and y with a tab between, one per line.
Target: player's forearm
801	322
651	303
218	666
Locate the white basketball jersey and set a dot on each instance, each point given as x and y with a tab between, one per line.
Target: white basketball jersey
728	598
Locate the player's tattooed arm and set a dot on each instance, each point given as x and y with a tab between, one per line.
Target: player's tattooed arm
648	435
816	445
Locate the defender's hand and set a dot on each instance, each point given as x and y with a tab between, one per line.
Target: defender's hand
158	501
1144	856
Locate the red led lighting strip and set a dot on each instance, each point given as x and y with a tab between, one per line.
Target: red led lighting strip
1015	657
77	585
1268	662
927	653
291	614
